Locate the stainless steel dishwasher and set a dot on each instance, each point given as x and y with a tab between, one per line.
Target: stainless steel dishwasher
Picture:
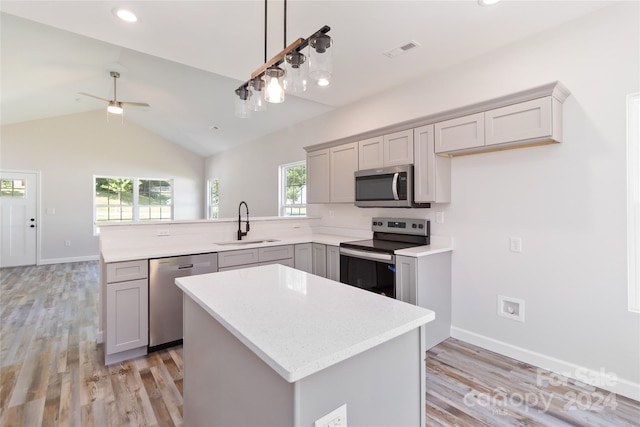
165	298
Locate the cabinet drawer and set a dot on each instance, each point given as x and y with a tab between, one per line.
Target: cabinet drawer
240	257
275	253
518	122
129	270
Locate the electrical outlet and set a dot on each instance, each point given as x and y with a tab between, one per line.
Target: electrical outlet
67	243
511	308
440	217
335	418
163	233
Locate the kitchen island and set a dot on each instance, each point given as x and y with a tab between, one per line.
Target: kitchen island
271	345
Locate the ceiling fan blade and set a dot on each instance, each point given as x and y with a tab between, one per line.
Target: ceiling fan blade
93	96
135	104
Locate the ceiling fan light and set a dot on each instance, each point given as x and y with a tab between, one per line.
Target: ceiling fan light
320	59
274	91
114	107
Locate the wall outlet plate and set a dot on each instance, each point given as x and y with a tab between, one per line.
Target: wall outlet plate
335	418
511	308
163	233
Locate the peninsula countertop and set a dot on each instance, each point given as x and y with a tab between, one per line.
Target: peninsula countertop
299	323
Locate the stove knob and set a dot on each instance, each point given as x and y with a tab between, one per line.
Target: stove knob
420	226
414	226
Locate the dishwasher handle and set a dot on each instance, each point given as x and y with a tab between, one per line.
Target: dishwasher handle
185	266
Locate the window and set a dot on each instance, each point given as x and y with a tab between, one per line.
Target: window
132	199
13	188
213	198
633	200
293	189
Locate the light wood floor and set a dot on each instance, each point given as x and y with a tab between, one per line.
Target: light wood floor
52	371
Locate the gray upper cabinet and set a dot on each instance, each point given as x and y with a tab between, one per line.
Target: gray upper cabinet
386	150
459	133
398	148
432	173
342	166
370	153
330	174
525	121
318	176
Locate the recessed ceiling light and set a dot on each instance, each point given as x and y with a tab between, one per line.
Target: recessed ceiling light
487	2
125	15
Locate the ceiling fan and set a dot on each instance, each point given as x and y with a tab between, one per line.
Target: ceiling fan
113	105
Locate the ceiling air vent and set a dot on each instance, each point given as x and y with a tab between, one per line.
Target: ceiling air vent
392	53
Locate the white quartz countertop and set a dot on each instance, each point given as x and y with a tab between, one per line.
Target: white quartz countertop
299	323
119	250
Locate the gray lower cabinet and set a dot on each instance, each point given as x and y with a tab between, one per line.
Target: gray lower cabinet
333	263
426	282
304	257
232	260
319	259
316	258
126	320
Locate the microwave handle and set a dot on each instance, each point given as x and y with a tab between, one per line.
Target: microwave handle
394	186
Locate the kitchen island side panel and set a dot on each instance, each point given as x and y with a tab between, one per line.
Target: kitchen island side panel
225	383
383	386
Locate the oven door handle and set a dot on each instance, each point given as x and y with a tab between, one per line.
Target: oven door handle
371	256
394	186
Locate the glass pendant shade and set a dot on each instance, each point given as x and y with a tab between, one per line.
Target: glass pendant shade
256	96
296	67
320	59
242	110
274	90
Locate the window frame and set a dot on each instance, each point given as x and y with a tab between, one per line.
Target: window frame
282	180
210	204
135	205
633	201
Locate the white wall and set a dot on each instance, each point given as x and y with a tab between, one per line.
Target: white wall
567	202
70	150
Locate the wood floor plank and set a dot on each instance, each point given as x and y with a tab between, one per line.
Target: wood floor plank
52	371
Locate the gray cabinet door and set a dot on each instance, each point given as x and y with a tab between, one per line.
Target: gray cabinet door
319	260
127	315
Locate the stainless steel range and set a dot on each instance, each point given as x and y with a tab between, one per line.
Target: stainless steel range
370	264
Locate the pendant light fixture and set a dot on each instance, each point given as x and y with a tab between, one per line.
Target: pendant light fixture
257	101
289	70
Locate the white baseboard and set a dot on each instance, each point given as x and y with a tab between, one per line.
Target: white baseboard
71	259
597	378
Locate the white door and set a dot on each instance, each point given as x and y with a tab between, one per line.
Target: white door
18	208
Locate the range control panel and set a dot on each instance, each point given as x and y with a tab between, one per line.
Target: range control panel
414	226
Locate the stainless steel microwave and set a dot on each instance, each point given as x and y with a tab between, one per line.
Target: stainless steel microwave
390	187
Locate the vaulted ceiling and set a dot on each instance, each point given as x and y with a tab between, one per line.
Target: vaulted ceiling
186	58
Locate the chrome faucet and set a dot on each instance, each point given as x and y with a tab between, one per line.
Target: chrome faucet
240	232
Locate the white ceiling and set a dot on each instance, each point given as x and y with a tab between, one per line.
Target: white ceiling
186	58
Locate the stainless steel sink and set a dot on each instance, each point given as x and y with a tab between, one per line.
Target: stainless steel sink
247	242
